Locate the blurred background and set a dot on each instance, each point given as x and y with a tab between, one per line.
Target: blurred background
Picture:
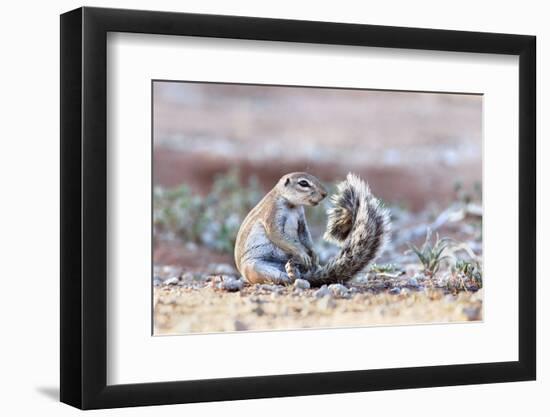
219	147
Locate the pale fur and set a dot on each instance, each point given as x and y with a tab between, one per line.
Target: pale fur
276	231
360	225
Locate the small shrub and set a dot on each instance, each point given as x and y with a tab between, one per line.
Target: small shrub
470	271
431	255
178	212
212	220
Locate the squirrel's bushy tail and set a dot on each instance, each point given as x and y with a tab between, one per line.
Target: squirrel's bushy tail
360	225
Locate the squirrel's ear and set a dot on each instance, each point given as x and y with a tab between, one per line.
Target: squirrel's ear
287	181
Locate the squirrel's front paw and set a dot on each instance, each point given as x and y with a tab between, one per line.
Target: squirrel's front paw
304	260
292	270
315	261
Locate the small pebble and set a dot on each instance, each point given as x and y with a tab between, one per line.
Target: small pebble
363	279
172	281
229	283
321	292
395	290
302	284
339	290
413	282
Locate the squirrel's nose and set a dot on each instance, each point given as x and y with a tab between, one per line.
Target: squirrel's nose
324	194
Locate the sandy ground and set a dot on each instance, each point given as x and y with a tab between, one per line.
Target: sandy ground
197	290
180	310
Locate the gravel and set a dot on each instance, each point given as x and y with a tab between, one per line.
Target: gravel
302	284
339	290
227	283
172	281
321	292
413	282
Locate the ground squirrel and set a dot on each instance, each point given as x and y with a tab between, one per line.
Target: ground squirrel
274	244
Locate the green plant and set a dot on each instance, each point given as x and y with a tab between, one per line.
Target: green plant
469	270
212	220
431	254
177	211
383	268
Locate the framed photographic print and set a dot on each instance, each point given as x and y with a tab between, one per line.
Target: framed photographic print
257	208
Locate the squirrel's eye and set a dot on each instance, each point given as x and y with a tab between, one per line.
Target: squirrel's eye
303	183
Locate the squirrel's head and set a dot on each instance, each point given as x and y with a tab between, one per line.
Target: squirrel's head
301	189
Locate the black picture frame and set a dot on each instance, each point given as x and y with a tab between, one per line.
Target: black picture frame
84	207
